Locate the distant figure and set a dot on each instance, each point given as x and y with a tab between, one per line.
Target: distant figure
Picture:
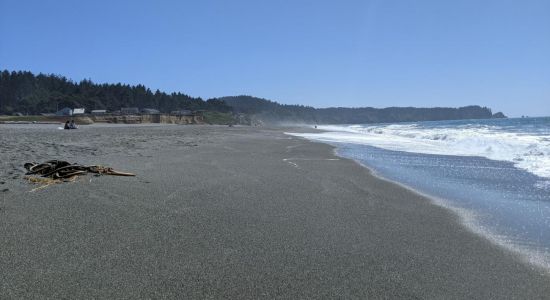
72	125
67	125
315	126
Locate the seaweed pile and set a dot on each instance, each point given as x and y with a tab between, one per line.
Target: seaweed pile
57	171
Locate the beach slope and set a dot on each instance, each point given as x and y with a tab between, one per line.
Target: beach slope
239	213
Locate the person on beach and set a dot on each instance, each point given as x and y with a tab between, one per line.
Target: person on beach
72	125
67	125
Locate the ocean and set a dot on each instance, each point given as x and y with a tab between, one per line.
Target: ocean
495	174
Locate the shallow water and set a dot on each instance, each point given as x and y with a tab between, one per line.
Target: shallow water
475	167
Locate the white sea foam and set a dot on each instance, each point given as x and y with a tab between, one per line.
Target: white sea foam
528	151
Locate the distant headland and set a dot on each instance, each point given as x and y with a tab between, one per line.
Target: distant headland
23	93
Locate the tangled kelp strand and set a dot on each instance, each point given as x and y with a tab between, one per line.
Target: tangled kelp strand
58	171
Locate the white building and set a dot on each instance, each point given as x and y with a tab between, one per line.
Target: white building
78	111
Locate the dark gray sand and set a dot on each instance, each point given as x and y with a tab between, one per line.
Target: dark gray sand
237	213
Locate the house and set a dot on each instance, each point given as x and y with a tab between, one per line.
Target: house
79	111
150	111
98	112
129	111
65	111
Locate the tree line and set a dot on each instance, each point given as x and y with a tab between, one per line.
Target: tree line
24	92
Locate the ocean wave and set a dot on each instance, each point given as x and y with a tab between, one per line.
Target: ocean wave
529	151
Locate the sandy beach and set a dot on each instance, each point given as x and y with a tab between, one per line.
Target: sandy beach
231	213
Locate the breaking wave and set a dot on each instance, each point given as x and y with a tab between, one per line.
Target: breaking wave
527	147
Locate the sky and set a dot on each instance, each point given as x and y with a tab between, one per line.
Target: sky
352	53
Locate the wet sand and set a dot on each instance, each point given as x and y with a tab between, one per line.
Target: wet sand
241	213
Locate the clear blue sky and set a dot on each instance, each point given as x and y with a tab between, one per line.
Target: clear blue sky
320	53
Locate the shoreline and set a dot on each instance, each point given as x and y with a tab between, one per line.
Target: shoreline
242	212
466	217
